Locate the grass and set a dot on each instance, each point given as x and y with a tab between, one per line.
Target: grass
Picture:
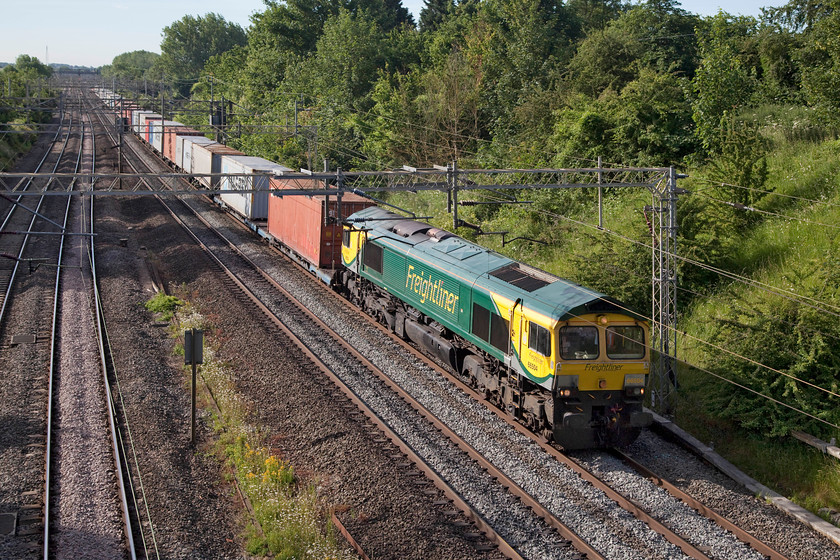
790	467
163	305
292	523
14	145
796	252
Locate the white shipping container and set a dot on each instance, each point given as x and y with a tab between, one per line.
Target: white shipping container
156	133
183	151
207	158
144	123
136	117
253	206
187	144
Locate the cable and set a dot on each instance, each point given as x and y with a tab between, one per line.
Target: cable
745	208
753	189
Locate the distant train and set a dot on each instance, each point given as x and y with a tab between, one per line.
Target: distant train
570	363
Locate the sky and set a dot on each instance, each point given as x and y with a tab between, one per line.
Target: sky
93	32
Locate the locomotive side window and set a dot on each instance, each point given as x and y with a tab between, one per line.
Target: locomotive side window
499	333
373	257
625	343
481	322
345	238
579	343
539	339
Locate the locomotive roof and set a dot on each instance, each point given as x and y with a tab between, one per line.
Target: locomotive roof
540	291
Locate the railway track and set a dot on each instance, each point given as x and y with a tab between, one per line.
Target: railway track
238	286
19	217
702	550
90	498
176	507
639	538
544	513
57	509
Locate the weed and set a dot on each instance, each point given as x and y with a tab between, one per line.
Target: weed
164	305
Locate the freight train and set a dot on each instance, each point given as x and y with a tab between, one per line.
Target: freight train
570	363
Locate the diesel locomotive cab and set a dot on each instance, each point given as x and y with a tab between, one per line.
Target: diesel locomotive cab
599	385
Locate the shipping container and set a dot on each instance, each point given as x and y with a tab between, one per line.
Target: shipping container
252	205
157	131
146	118
207	158
127	110
310	225
184	160
136	117
170	141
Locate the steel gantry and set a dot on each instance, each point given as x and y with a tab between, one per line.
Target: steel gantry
661	214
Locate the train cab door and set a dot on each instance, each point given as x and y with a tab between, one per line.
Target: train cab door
537	352
352	240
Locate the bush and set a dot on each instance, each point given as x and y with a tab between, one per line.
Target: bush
164	304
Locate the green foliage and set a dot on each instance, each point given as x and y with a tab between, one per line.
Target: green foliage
722	84
434	13
791	328
134	65
666	36
164	304
595	14
819	63
791	124
778	71
27	77
739	169
288	515
190	42
606	59
617	268
786	337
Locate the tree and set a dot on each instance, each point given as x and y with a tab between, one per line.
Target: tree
28	76
31	69
722	84
819	65
595	14
434	13
134	65
190	42
653	124
739	168
605	59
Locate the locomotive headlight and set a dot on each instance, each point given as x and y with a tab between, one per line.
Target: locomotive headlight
602	319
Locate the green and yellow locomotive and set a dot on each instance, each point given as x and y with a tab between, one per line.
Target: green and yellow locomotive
567	361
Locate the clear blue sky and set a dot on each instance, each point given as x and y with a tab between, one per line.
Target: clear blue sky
93	32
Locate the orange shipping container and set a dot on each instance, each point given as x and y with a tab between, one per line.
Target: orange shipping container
170	140
300	222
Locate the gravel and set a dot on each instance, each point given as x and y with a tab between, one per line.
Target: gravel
86	515
722	494
587	511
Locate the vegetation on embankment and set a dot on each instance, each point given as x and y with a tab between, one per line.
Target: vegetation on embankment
291	522
747	107
22	85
